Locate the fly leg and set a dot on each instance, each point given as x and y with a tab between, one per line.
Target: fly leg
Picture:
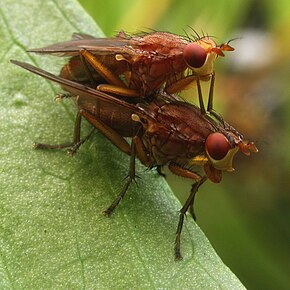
87	70
200	99
175	86
115	85
210	94
136	148
178	170
210	99
112	135
188	204
130	178
73	146
184	83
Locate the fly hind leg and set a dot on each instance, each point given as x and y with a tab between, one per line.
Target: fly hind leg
73	146
114	84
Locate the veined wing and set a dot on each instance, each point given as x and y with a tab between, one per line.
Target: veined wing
86	93
101	46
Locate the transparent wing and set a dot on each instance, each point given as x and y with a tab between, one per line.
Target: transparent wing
87	95
101	46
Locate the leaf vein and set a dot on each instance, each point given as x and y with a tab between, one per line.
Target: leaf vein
65	16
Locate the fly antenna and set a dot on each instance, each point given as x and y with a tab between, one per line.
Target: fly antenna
233	39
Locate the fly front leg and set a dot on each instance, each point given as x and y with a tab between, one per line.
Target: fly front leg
114	84
184	83
73	146
180	171
210	94
188	204
176	86
200	99
210	99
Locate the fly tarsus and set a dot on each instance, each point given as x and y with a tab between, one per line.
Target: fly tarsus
74	148
177	252
108	212
50	146
60	97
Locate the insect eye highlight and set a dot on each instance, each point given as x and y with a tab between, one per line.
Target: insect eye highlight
194	55
217	146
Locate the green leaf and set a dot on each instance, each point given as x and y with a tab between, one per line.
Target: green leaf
53	233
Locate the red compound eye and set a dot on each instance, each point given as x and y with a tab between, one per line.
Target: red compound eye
217	146
194	55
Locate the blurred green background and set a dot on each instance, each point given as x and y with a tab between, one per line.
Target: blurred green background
247	216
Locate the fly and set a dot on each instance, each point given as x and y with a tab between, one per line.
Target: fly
162	132
142	64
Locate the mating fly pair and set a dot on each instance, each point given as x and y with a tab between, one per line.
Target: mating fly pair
140	105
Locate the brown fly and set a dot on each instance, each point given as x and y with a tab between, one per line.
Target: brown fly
162	133
139	65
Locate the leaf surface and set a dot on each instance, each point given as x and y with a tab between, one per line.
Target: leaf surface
53	233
